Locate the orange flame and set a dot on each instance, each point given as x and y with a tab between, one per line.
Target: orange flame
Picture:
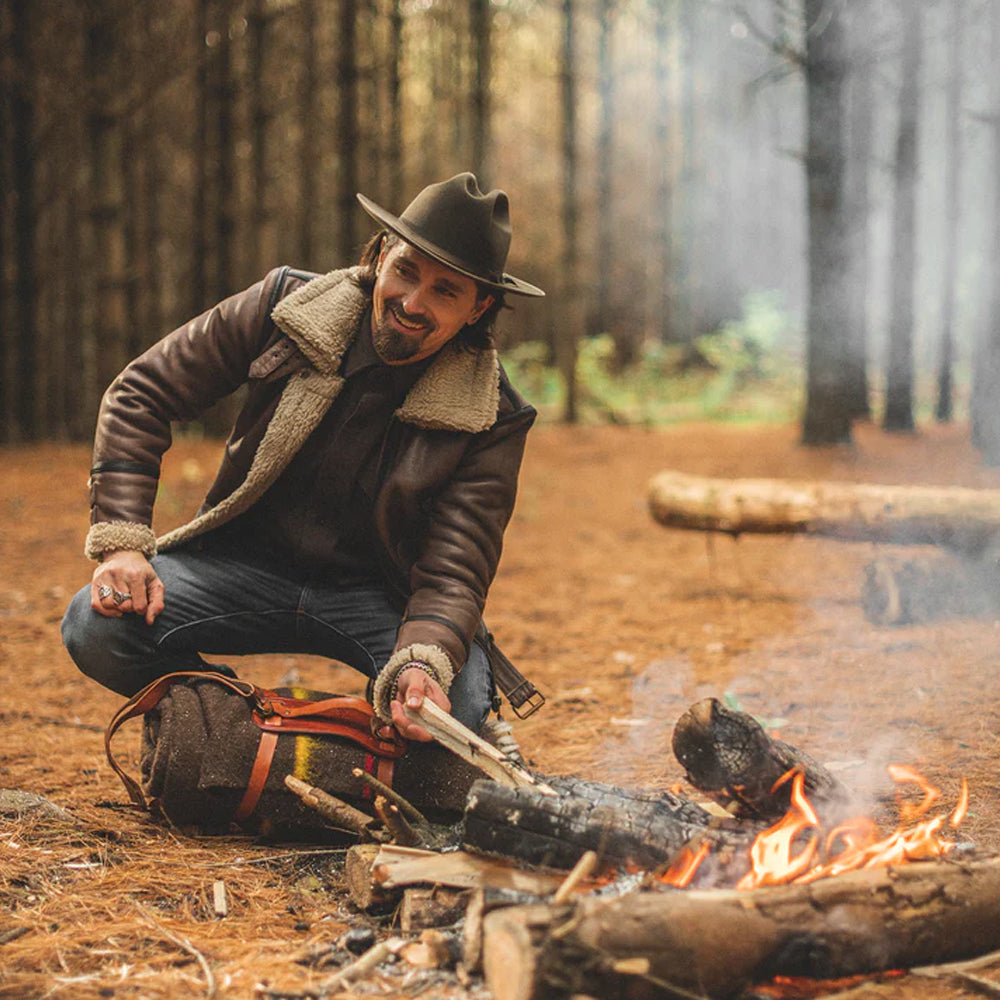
773	862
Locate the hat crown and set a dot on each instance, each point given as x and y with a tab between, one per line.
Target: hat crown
463	223
456	224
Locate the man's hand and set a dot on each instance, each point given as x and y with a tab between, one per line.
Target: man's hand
413	685
125	581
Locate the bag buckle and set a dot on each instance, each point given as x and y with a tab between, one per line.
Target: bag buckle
525	694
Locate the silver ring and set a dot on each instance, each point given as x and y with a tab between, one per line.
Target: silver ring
120	597
104	591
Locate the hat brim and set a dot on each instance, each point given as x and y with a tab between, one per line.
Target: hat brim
507	283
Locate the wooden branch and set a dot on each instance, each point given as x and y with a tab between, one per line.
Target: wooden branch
410	811
473	749
399	829
717	943
963	519
338	812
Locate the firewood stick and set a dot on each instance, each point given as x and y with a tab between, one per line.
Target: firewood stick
410	811
473	749
342	815
395	822
367	962
580	872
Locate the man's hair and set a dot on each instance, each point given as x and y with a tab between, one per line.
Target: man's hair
478	335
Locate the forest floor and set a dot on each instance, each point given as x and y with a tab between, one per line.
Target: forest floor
622	623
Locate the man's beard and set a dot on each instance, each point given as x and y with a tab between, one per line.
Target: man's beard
393	345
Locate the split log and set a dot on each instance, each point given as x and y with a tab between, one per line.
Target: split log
366	892
716	944
728	755
379	874
625	830
967	520
931	587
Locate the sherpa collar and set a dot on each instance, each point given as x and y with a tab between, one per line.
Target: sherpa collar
460	391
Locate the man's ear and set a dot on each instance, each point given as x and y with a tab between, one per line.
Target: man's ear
481	306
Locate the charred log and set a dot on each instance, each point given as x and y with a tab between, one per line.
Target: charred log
624	829
716	944
728	756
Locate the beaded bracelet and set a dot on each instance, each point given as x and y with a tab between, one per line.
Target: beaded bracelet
412	665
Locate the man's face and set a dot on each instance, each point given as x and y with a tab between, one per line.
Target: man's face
418	305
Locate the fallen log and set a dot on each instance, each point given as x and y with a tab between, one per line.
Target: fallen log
930	587
967	520
717	943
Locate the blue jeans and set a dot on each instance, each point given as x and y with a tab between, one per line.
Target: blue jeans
219	603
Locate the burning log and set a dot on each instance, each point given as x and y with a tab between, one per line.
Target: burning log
624	829
930	587
728	755
967	520
716	943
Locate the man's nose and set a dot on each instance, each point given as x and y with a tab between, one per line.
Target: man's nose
414	299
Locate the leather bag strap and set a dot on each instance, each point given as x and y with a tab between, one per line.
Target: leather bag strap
258	776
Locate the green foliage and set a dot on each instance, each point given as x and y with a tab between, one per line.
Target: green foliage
748	370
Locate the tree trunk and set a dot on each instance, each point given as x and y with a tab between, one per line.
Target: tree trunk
394	146
107	192
568	334
718	943
986	370
600	316
662	248
828	413
347	131
861	134
953	165
265	230
967	520
898	414
481	23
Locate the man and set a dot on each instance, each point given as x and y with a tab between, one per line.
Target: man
360	506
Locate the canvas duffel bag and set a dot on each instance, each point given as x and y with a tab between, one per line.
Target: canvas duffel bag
216	750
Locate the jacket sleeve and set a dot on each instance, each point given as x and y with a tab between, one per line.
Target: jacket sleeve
453	571
177	379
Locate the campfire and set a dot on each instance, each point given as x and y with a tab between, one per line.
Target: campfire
564	886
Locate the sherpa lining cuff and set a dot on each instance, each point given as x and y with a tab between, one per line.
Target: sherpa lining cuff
113	536
433	656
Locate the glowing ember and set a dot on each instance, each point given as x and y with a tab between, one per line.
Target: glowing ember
682	870
789	851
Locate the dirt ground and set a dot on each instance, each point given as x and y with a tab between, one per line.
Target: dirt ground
622	623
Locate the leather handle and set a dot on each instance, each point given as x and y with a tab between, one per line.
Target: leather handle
146	699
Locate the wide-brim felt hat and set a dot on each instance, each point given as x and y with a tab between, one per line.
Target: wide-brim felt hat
461	227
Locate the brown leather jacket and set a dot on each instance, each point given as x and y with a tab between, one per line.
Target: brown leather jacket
449	466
